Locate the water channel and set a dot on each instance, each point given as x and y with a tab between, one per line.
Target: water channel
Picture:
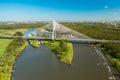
41	64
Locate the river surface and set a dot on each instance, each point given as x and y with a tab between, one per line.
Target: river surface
41	64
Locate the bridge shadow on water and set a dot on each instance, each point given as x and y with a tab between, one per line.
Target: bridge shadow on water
74	42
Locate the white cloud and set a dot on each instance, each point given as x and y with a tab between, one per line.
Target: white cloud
105	6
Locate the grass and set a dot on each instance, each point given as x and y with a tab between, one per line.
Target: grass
114	61
34	43
64	56
4	32
67	58
3	45
112	53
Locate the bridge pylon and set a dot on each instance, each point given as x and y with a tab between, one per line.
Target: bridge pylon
53	32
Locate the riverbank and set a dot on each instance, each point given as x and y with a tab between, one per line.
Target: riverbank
67	58
34	43
62	49
7	60
112	52
102	31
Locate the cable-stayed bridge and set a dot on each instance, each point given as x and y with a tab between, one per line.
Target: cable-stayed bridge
56	31
92	41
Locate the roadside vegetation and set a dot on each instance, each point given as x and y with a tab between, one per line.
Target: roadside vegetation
9	55
62	49
102	31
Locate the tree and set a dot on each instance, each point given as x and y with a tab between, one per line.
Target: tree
63	45
18	34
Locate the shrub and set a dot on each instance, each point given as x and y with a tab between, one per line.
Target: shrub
63	45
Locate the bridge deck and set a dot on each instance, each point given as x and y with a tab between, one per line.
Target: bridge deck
69	39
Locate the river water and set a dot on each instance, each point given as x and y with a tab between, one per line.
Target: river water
41	64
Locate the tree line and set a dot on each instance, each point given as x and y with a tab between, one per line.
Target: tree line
21	25
112	52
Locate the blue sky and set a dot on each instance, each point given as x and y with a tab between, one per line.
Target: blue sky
62	10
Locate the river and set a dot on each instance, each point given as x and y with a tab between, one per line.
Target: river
41	64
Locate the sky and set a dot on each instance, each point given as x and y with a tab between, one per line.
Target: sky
59	10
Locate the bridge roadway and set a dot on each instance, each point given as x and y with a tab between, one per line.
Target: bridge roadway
79	40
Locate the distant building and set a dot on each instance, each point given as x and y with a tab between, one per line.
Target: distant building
115	24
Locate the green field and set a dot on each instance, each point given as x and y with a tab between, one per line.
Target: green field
4	32
10	29
3	45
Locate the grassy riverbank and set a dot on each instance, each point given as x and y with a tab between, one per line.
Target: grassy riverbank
68	55
34	43
7	59
102	31
62	49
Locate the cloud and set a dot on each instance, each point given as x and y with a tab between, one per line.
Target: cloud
105	6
